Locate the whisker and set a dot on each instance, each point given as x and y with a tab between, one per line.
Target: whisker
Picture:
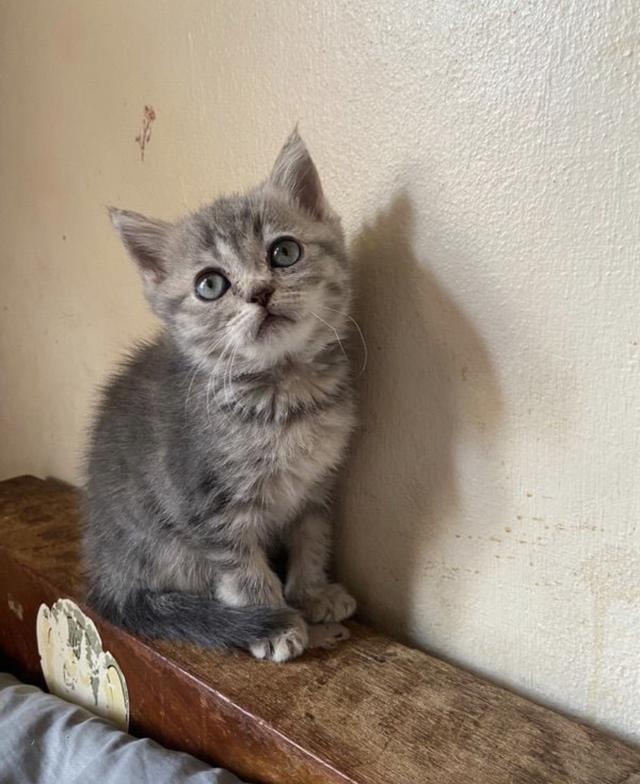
193	375
212	382
227	368
362	340
198	366
212	385
227	378
333	329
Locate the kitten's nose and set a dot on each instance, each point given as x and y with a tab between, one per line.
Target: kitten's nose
261	296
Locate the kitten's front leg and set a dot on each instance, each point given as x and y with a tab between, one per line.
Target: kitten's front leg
248	580
308	587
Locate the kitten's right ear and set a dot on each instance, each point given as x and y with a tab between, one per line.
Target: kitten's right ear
145	239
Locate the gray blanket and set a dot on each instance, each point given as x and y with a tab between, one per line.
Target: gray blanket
45	740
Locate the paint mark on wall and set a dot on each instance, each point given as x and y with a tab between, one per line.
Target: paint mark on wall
143	138
76	667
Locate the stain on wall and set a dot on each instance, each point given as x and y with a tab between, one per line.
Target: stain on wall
144	137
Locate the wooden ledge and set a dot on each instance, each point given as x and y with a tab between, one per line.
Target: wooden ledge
370	711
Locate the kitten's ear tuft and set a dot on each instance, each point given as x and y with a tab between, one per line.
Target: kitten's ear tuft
295	172
145	239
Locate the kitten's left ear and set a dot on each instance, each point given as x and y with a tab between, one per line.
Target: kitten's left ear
295	172
145	240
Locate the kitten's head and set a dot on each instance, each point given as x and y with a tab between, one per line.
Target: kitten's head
262	276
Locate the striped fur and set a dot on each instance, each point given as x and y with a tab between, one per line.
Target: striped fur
216	446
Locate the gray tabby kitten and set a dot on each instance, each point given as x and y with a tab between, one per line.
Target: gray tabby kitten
217	444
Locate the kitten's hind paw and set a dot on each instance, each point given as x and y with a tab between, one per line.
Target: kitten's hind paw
328	604
327	635
283	646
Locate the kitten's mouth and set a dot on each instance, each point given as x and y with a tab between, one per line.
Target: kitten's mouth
272	321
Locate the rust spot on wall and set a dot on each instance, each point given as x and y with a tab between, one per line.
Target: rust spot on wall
143	138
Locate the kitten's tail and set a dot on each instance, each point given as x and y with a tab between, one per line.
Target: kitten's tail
199	619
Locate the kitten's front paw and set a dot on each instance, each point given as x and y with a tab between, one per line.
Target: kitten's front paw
283	646
328	604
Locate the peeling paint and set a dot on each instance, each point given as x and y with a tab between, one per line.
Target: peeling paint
15	606
76	667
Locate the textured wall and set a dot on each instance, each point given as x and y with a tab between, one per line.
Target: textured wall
485	157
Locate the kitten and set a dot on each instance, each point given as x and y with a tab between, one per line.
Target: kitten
218	443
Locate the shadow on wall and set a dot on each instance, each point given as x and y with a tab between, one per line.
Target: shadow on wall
428	388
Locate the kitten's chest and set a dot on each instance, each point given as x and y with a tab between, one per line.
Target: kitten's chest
292	462
288	441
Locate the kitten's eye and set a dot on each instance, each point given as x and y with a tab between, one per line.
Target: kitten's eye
284	253
211	285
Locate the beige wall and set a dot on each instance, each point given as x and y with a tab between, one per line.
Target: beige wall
485	158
